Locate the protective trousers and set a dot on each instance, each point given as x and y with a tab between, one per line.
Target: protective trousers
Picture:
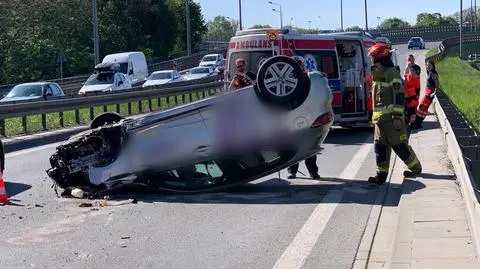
412	96
310	163
392	134
422	109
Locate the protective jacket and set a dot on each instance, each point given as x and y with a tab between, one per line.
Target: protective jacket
388	94
412	90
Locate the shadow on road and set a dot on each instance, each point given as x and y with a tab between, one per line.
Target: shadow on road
277	191
16	188
348	136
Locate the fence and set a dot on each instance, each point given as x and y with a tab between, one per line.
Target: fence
466	137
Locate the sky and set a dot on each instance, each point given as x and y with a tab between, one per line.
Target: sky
325	14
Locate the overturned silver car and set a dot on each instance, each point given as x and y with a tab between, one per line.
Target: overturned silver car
208	145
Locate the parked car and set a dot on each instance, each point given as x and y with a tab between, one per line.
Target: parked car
207	145
34	91
162	77
212	60
132	64
200	72
416	42
106	78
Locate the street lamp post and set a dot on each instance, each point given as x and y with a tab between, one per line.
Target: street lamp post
240	13
461	27
189	44
341	15
95	31
281	14
378	23
366	16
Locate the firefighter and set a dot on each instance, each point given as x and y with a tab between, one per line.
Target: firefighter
389	116
311	162
243	77
412	88
432	85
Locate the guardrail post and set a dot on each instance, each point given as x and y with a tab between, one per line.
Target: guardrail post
129	108
2	128
168	102
150	105
92	113
77	116
60	117
105	108
24	124
140	107
117	108
44	122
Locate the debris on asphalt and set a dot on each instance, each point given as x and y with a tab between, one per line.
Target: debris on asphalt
78	193
125	237
85	205
37	205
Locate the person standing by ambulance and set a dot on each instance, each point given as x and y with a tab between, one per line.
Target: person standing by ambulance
412	88
311	162
389	116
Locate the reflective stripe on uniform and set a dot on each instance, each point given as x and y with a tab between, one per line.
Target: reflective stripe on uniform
382	111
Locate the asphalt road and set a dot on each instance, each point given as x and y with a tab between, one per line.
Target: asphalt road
271	223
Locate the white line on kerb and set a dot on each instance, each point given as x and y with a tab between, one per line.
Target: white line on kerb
303	243
30	150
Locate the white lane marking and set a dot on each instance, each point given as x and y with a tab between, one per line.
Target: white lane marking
30	150
303	243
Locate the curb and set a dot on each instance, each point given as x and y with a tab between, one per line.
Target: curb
40	139
463	176
364	251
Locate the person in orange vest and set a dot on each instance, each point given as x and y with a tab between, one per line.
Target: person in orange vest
432	85
311	162
412	89
243	77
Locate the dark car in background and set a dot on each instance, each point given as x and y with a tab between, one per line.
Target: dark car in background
34	91
416	42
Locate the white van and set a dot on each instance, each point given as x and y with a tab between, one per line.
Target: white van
132	64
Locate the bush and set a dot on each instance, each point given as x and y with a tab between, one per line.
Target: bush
461	83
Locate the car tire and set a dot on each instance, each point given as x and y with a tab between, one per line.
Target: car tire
294	85
105	118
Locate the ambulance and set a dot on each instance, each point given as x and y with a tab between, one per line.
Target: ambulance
342	57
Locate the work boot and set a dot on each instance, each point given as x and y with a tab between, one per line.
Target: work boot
408	173
379	179
315	175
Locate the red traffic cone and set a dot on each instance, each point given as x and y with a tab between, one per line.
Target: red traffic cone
3	192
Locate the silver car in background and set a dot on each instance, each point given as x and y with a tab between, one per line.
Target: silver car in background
208	145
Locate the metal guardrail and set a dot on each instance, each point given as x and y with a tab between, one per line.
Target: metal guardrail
71	85
445	47
140	97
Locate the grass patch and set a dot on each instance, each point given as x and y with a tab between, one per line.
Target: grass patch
461	83
14	126
431	52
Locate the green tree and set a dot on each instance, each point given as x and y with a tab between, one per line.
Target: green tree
393	23
198	26
221	28
426	19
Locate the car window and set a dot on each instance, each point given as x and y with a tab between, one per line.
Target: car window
209	59
162	75
100	78
200	71
194	176
56	89
25	91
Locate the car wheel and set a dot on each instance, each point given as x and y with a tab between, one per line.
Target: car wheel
280	82
105	118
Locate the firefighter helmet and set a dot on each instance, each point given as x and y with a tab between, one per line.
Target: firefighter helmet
378	51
